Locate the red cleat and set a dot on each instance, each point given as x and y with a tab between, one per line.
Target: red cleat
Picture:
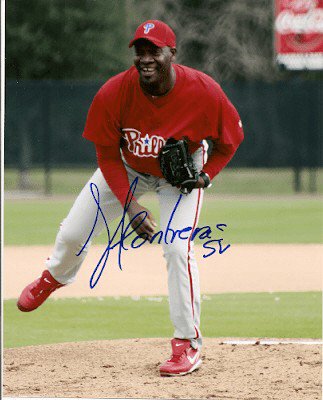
184	359
37	292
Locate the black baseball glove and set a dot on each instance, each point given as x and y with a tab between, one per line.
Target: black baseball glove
177	165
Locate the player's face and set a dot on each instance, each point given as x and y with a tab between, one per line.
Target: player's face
153	63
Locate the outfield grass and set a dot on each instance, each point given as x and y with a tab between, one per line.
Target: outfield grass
277	315
229	181
290	220
287	219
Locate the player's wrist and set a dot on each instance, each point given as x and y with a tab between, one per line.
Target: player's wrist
203	176
200	183
133	206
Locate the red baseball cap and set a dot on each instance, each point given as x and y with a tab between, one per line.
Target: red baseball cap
156	32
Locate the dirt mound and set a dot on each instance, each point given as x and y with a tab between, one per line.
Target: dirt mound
129	368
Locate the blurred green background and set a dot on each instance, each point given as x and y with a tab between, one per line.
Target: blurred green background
87	39
258	206
266	182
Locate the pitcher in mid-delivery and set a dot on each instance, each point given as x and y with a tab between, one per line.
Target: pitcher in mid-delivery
129	121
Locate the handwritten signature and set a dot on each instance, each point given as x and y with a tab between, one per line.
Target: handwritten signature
125	231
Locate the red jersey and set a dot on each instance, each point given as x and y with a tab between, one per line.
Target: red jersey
123	116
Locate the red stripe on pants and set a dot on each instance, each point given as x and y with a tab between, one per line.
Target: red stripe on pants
188	259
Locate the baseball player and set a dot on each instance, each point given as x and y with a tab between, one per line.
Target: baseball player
130	120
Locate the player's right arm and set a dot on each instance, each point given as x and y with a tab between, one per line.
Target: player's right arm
103	128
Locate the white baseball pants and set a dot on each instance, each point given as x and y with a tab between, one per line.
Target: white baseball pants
183	275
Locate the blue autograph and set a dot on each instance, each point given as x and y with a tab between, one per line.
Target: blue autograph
203	233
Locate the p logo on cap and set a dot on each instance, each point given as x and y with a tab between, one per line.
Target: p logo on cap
148	27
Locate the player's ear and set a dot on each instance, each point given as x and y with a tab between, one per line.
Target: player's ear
173	51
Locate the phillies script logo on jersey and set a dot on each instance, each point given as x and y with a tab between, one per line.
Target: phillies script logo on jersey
143	145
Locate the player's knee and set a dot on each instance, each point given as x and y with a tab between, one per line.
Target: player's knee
175	250
71	237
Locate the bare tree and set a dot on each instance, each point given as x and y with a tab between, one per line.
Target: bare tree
228	39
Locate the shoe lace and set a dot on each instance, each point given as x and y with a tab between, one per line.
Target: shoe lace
38	288
176	357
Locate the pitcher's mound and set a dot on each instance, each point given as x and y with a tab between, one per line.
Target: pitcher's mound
129	368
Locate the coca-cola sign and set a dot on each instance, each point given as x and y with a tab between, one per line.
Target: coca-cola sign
299	33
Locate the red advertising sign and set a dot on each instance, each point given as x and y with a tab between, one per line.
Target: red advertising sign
299	33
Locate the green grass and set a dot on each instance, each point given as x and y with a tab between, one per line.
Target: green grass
63	181
277	315
229	181
289	220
